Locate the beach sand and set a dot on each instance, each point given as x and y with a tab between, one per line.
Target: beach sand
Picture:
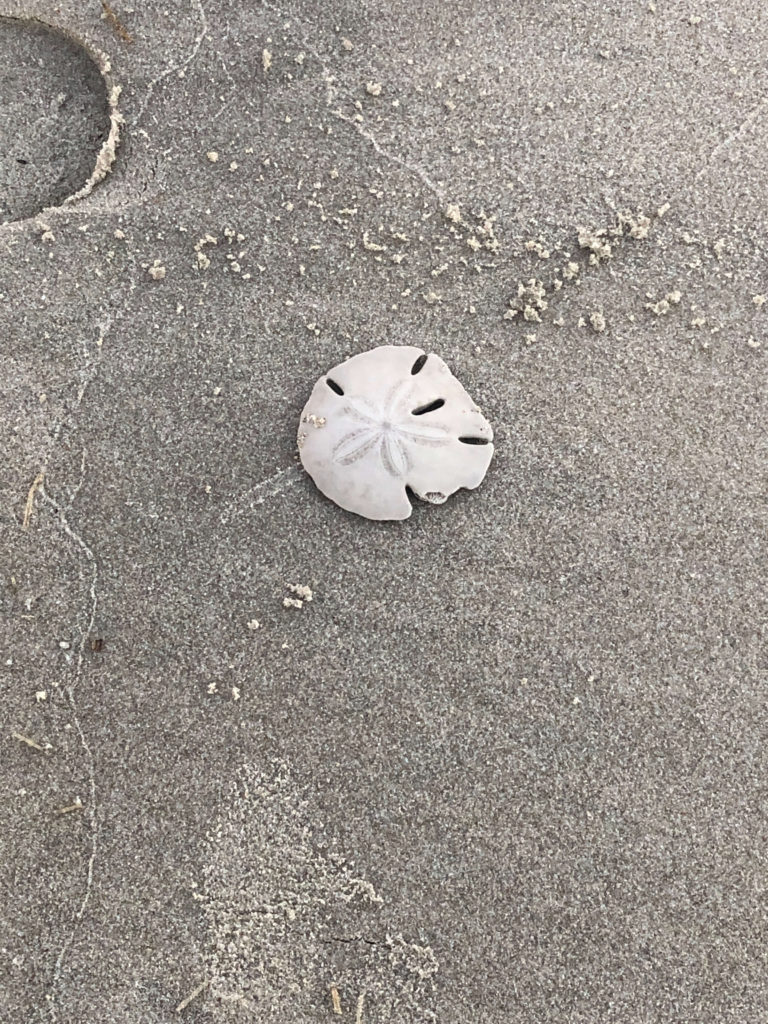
508	765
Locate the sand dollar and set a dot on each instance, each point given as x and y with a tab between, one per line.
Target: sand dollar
390	419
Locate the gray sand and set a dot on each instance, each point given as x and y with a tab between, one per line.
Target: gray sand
54	118
509	765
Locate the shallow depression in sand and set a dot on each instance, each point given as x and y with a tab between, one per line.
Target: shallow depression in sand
54	117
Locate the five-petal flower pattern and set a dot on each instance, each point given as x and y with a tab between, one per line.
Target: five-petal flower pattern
386	430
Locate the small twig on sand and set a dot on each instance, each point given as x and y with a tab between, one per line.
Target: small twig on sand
192	995
76	806
30	504
336	999
117	25
359	1014
25	739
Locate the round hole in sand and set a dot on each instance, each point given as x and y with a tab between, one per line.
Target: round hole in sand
54	117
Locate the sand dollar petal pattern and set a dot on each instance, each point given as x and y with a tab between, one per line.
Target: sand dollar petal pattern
387	419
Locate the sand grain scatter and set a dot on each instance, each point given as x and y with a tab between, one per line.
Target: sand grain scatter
288	919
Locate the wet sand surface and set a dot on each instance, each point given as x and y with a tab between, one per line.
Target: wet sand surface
509	763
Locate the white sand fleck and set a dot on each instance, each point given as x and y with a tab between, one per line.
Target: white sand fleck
487	230
663	306
759	300
570	271
534	290
597	319
212	155
157	271
636	225
537	246
597	244
253	624
531	301
373	88
372	246
316	421
266	60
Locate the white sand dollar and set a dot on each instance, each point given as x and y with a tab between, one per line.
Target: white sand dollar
389	419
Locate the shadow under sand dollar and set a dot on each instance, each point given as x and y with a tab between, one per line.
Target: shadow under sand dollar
294	932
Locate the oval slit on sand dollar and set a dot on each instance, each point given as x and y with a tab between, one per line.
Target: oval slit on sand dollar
429	407
418	366
334	386
474	440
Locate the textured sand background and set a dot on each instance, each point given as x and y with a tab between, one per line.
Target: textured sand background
509	764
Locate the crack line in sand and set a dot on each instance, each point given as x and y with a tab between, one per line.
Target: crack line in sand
265	489
73	494
87	374
733	137
232	91
331	94
92	811
414	169
182	67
